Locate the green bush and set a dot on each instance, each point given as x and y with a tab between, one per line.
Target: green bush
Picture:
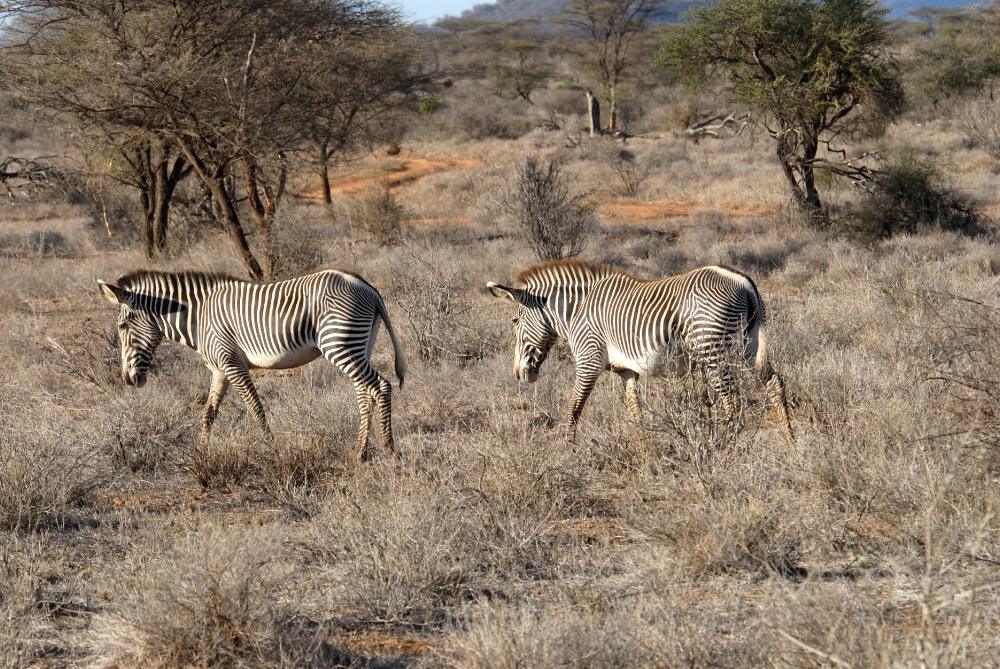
910	194
430	104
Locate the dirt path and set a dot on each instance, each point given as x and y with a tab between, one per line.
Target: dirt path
409	170
404	171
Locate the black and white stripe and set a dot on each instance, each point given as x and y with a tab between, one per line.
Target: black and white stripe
239	325
632	326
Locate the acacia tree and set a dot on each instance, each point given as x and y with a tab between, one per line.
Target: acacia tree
611	27
813	70
227	84
517	70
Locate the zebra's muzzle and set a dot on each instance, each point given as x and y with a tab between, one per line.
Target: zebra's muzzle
134	377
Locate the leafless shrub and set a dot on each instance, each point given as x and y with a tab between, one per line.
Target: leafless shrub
212	601
44	471
20	585
558	224
378	212
981	124
221	462
93	358
296	247
632	168
148	432
294	469
911	195
440	316
486	117
550	637
405	559
33	244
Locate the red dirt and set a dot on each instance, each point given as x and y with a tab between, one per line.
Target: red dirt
409	169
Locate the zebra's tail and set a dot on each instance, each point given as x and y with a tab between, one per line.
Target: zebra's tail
397	349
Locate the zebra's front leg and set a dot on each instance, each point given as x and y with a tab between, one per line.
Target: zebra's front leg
220	384
586	379
239	377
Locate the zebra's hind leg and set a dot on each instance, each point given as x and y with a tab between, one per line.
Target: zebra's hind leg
631	380
220	384
775	395
366	405
375	399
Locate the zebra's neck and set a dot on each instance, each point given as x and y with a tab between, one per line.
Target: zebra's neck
562	286
173	299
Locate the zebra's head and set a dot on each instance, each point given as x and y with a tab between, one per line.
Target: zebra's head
139	332
533	332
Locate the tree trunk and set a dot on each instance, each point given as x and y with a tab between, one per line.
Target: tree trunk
324	173
148	224
229	217
612	111
168	176
790	167
594	111
809	176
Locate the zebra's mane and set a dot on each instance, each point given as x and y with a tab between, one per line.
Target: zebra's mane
556	272
142	277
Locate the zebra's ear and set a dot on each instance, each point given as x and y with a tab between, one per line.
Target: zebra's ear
113	293
503	292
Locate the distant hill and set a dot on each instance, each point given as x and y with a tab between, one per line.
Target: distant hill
511	10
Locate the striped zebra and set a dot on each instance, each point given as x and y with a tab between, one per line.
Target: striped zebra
239	325
635	326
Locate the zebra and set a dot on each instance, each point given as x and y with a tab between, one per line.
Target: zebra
237	325
632	326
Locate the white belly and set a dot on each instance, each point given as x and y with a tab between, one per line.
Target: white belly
654	363
284	360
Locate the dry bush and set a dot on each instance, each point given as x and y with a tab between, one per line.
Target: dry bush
441	318
631	168
399	556
210	601
378	212
46	464
485	117
981	123
552	636
20	585
558	225
33	244
297	244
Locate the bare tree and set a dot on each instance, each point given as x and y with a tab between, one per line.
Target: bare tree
231	87
611	27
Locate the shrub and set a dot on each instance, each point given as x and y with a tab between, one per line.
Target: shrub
42	473
910	194
430	104
209	602
486	118
558	224
981	124
378	213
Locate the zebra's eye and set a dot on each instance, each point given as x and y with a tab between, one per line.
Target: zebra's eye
515	320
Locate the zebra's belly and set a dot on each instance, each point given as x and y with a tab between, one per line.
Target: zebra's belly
284	359
663	362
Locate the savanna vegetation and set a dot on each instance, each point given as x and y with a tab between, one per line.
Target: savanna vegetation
268	139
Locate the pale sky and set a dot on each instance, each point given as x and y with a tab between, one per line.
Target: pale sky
428	11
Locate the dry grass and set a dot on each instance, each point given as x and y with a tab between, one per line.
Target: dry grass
871	541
